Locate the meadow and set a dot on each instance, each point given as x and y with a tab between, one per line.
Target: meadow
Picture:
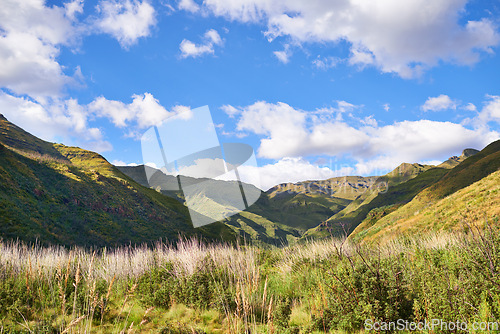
323	286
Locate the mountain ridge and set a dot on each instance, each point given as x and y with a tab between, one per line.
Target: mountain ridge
474	169
63	195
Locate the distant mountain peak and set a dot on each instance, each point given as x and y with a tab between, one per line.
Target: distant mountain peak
455	160
468	152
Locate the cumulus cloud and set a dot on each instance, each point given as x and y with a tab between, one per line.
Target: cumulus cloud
126	20
490	112
190	49
73	8
403	37
144	111
122	163
30	36
289	170
290	132
439	103
470	107
54	121
188	5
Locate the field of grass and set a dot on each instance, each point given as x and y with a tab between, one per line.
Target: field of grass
476	203
316	287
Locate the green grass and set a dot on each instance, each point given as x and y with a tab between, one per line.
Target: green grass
395	195
477	204
85	201
469	190
329	286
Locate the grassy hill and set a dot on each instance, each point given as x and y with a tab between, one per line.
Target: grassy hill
466	193
455	161
474	205
390	190
68	196
249	225
291	212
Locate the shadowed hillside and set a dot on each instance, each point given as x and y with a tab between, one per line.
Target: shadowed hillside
65	195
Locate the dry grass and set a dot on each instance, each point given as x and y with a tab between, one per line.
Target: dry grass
476	204
257	290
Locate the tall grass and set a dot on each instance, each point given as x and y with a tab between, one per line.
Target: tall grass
321	286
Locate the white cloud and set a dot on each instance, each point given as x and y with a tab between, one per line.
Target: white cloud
289	132
439	103
284	55
54	121
282	124
126	20
73	7
490	111
190	49
324	63
30	36
289	170
386	106
370	121
122	163
188	5
470	107
403	37
144	111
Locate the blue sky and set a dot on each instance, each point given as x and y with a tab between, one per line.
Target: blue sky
318	88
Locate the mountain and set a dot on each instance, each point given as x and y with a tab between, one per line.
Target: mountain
282	214
248	225
69	196
454	161
467	193
396	187
292	212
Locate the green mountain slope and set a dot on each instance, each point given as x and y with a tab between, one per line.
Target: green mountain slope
19	140
474	205
386	190
69	196
249	225
454	161
289	212
422	210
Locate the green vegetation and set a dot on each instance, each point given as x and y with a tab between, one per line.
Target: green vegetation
317	287
68	196
476	203
393	195
468	191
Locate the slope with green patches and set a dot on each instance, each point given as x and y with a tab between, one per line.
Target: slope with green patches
455	161
277	218
385	190
249	225
472	206
69	196
421	211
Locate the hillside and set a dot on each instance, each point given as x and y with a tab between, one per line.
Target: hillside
474	205
468	192
68	196
249	225
390	190
456	160
292	212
